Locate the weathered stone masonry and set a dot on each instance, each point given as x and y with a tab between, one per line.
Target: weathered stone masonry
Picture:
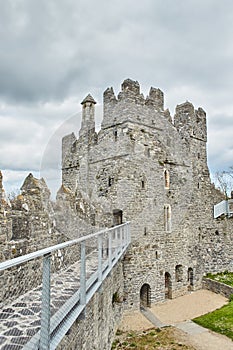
145	167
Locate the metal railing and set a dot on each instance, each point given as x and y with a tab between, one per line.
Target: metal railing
97	254
225	207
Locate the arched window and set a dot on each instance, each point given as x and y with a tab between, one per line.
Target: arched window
166	179
179	273
167	218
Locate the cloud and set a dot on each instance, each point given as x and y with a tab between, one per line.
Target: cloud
55	52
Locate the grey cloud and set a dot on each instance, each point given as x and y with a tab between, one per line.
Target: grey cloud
55	52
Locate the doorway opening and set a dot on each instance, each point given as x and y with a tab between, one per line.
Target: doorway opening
145	295
168	286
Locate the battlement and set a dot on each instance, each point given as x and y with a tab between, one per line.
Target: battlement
155	98
130	86
109	95
129	98
184	110
190	122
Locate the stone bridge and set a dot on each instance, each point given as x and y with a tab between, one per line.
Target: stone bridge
76	302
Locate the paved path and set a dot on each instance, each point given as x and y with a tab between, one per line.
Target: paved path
178	313
20	319
152	318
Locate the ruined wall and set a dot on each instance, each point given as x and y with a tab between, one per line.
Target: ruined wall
5	223
32	222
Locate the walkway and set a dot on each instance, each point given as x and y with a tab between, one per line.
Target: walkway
20	320
178	312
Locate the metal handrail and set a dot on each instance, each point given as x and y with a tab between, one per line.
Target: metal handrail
40	253
223	208
53	328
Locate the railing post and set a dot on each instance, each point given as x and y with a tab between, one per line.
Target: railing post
100	247
45	305
128	233
110	248
227	208
83	275
121	245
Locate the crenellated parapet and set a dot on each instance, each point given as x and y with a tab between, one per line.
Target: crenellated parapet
155	98
130	87
130	103
190	122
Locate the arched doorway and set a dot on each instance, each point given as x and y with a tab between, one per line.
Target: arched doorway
168	286
190	278
145	295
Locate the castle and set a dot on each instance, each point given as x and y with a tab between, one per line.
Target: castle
145	167
148	169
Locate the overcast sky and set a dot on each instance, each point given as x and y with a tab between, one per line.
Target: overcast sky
54	52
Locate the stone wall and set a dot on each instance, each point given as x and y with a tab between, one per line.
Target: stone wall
153	171
142	166
96	327
32	222
217	287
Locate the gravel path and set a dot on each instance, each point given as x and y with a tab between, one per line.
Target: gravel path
178	312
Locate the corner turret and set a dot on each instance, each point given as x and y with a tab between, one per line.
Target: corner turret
88	115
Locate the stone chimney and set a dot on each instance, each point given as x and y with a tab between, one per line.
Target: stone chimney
88	115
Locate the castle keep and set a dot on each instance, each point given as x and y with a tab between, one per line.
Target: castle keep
143	166
146	168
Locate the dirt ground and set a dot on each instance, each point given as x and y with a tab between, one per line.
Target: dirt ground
178	312
188	306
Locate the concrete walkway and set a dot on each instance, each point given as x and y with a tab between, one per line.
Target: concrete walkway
151	317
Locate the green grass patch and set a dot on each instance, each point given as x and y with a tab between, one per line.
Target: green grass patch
223	277
220	320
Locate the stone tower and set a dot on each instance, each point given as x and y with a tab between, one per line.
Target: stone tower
145	168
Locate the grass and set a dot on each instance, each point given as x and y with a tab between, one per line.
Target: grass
223	277
150	339
220	321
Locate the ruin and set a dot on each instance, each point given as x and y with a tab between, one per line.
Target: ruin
142	166
149	169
